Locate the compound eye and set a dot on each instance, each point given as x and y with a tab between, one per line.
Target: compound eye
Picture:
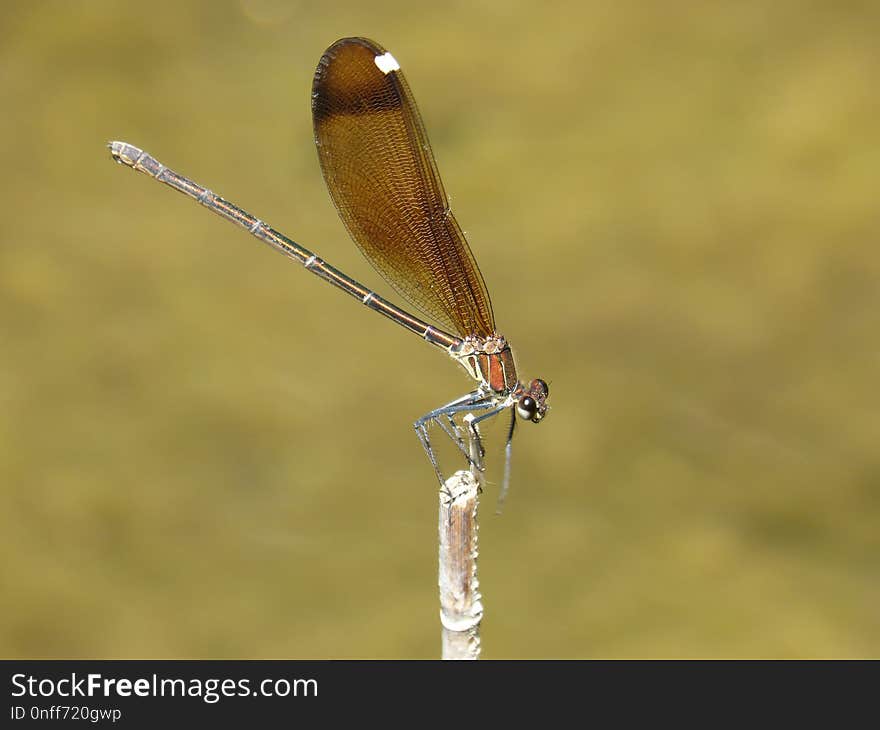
526	408
537	382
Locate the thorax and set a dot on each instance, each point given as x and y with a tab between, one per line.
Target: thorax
489	361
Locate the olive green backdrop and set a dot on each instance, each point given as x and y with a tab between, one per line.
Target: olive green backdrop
205	452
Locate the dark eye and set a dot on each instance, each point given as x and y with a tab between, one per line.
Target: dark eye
542	385
526	408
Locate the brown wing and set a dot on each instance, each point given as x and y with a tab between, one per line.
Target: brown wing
381	174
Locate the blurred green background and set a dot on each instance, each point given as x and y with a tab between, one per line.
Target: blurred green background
675	208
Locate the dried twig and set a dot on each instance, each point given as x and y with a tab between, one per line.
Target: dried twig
461	609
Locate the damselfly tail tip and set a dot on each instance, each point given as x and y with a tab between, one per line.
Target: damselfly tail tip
123	153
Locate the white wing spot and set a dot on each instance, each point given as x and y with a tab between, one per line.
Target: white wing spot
387	63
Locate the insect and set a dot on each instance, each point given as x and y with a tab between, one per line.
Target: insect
381	174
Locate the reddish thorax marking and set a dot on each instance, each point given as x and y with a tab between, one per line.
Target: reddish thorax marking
488	361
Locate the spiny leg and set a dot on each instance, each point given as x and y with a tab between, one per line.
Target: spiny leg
422	430
422	433
454	433
476	421
477	440
451	428
474	400
476	452
469	400
450	414
502	495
